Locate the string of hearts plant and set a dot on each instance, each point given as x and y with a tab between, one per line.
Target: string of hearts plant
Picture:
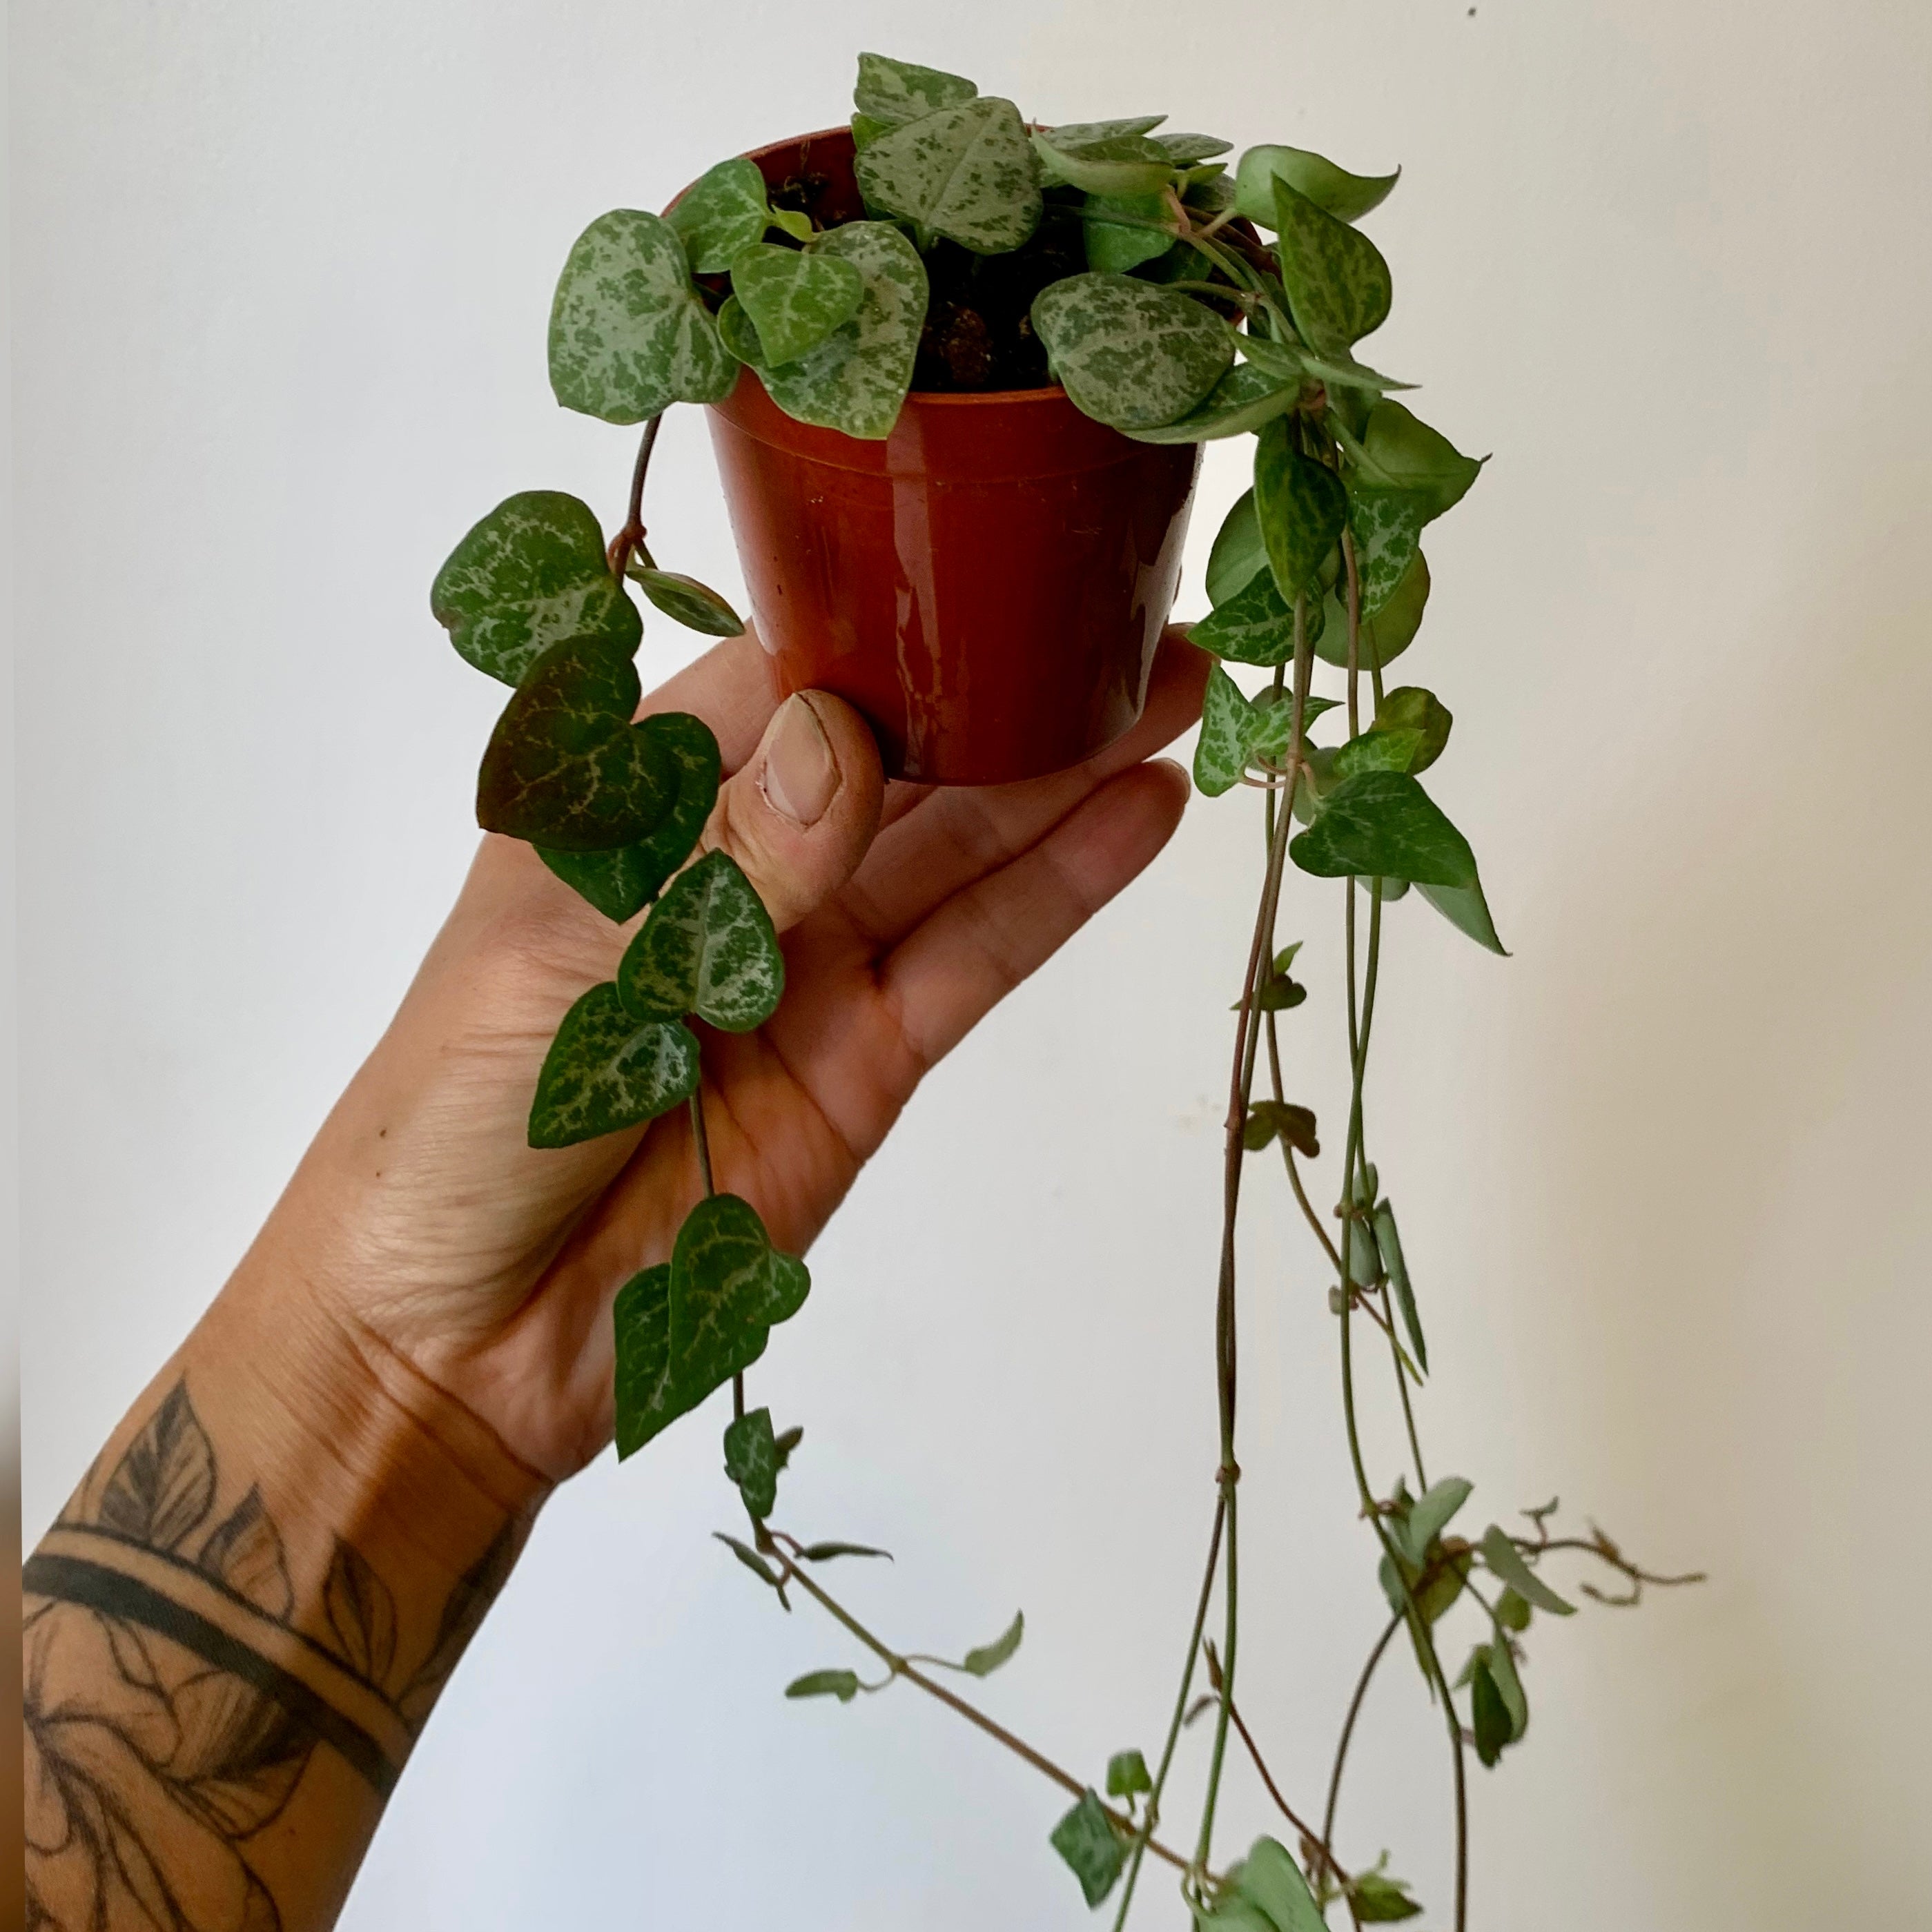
1145	288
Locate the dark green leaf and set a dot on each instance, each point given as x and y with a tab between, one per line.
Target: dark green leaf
896	91
1388	1242
1127	1774
793	298
752	1461
1087	1840
722	212
1509	1686
628	335
1129	353
1400	451
1337	283
1410	708
1507	1565
1384	823
729	1286
967	172
1271	722
622	882
1334	191
856	379
531	574
1270	1119
1302	507
1492	1717
686	601
1239	556
1114	248
566	766
708	948
685	1328
788	1440
1269	1879
843	1684
642	1317
823	1553
607	1070
1221	752
1513	1612
1107	156
988	1656
1388	633
752	1562
1466	908
1379	1900
1279	993
1243	399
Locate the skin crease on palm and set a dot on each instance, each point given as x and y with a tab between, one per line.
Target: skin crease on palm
423	1223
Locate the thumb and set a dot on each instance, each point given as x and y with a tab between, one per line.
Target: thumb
800	814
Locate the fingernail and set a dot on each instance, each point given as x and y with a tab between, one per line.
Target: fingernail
800	773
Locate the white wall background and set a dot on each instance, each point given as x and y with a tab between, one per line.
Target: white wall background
282	276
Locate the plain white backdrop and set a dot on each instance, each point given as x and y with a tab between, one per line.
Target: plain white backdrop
282	272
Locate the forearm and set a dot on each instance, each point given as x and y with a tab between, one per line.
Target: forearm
242	1620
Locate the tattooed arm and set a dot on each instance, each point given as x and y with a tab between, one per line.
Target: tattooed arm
242	1620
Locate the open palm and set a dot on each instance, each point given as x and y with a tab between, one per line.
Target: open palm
429	1225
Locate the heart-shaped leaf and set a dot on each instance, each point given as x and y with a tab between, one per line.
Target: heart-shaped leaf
1128	353
1221	752
1253	626
621	883
856	379
967	172
1270	1120
628	335
1334	191
606	1069
1337	283
1386	525
686	601
1269	1879
1383	636
708	948
1296	360
735	331
1271	722
722	212
896	91
752	1461
1490	1715
1113	247
1238	554
532	573
1379	1900
1466	909
1244	398
1400	451
1107	156
566	767
793	298
1384	822
1092	1850
1301	506
1127	1773
728	1286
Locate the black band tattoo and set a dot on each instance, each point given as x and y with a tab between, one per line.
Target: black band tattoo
172	1704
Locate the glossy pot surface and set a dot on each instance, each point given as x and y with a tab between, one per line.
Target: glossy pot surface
987	585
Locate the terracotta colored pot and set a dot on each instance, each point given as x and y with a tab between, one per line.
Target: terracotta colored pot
987	585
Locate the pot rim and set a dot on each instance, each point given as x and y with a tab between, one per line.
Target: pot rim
926	398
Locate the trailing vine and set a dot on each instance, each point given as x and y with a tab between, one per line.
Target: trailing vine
1151	296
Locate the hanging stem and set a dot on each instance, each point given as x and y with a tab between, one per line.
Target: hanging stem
1395	1623
631	536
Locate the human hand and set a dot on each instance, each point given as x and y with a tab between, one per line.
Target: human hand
422	1220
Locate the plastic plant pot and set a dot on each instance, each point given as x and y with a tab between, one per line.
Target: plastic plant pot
987	585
